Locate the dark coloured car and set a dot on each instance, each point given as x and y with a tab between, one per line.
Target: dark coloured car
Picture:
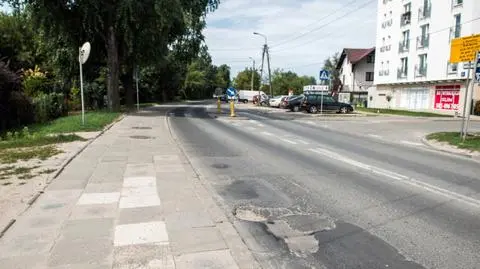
313	104
294	103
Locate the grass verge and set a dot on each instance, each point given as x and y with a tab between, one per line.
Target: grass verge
94	121
472	142
24	154
36	140
401	112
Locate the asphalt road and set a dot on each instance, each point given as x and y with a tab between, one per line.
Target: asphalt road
310	197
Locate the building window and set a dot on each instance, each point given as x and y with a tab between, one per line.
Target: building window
407	15
457	29
405	43
421	68
370	59
423	40
403	69
369	76
457	3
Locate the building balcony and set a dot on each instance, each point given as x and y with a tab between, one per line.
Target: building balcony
423	41
405	18
385	48
402	72
420	71
457	4
456	31
425	12
403	46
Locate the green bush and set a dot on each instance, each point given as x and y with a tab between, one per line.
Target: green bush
49	107
476	110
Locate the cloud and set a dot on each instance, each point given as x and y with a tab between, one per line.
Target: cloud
301	33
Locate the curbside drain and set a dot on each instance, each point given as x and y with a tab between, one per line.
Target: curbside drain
142	128
220	165
141	137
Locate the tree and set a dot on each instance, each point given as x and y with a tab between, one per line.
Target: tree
284	81
330	65
222	79
243	80
130	31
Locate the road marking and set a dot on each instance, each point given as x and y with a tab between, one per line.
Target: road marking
374	136
411	143
267	133
402	178
256	122
302	142
289	141
251	128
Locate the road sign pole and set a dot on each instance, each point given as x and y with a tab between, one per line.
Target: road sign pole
136	82
81	87
321	103
465	101
470	96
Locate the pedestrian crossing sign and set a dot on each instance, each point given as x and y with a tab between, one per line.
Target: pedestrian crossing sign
324	75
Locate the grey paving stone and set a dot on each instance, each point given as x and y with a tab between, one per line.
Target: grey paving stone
140	158
140	214
139	170
143	256
220	259
89	229
108	172
181	203
189	219
94	211
26	244
67	252
63	184
104	187
24	262
114	158
195	240
84	266
170	168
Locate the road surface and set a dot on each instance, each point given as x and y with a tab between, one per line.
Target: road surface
303	196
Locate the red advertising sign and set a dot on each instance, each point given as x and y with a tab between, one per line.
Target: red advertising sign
447	99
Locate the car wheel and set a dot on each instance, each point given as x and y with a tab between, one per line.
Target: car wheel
344	110
313	109
245	101
296	109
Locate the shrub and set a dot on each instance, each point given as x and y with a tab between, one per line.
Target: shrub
476	110
35	82
15	108
49	107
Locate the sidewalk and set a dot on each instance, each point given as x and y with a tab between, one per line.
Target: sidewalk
130	200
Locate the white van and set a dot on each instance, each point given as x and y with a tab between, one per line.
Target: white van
247	96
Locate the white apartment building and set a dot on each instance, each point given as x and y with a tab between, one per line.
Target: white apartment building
412	69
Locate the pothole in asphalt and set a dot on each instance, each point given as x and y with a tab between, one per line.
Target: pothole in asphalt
220	165
141	137
141	128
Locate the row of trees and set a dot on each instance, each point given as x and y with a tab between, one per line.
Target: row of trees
283	81
40	41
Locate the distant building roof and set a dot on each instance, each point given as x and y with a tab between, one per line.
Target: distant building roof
354	55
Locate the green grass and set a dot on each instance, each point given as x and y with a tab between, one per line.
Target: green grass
401	112
94	121
20	172
37	140
472	142
16	154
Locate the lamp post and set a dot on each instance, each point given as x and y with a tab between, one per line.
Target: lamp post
265	52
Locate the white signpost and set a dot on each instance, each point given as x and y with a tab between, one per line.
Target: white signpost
82	59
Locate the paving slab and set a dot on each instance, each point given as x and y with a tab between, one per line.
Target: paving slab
140	214
195	239
143	256
99	211
220	259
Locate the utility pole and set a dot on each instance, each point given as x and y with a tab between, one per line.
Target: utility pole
265	52
269	71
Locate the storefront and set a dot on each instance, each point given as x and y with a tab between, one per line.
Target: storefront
414	99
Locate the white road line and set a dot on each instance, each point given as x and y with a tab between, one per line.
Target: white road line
289	141
251	128
374	135
302	142
404	179
411	143
267	133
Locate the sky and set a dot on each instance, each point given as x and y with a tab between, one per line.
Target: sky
301	34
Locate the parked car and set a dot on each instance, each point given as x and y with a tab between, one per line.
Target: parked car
276	100
313	104
284	102
264	99
295	103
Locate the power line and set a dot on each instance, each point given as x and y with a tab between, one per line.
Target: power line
317	21
324	25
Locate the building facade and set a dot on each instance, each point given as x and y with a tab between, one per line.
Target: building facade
412	69
356	69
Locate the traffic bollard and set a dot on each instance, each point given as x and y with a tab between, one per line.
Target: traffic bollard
219	106
232	109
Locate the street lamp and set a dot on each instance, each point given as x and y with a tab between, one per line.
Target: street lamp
265	52
253	74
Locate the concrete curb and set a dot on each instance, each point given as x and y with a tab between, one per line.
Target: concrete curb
229	233
58	172
427	143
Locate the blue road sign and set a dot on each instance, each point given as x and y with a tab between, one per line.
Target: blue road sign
477	68
324	75
231	92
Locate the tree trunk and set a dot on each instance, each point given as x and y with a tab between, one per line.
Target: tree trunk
127	82
113	70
